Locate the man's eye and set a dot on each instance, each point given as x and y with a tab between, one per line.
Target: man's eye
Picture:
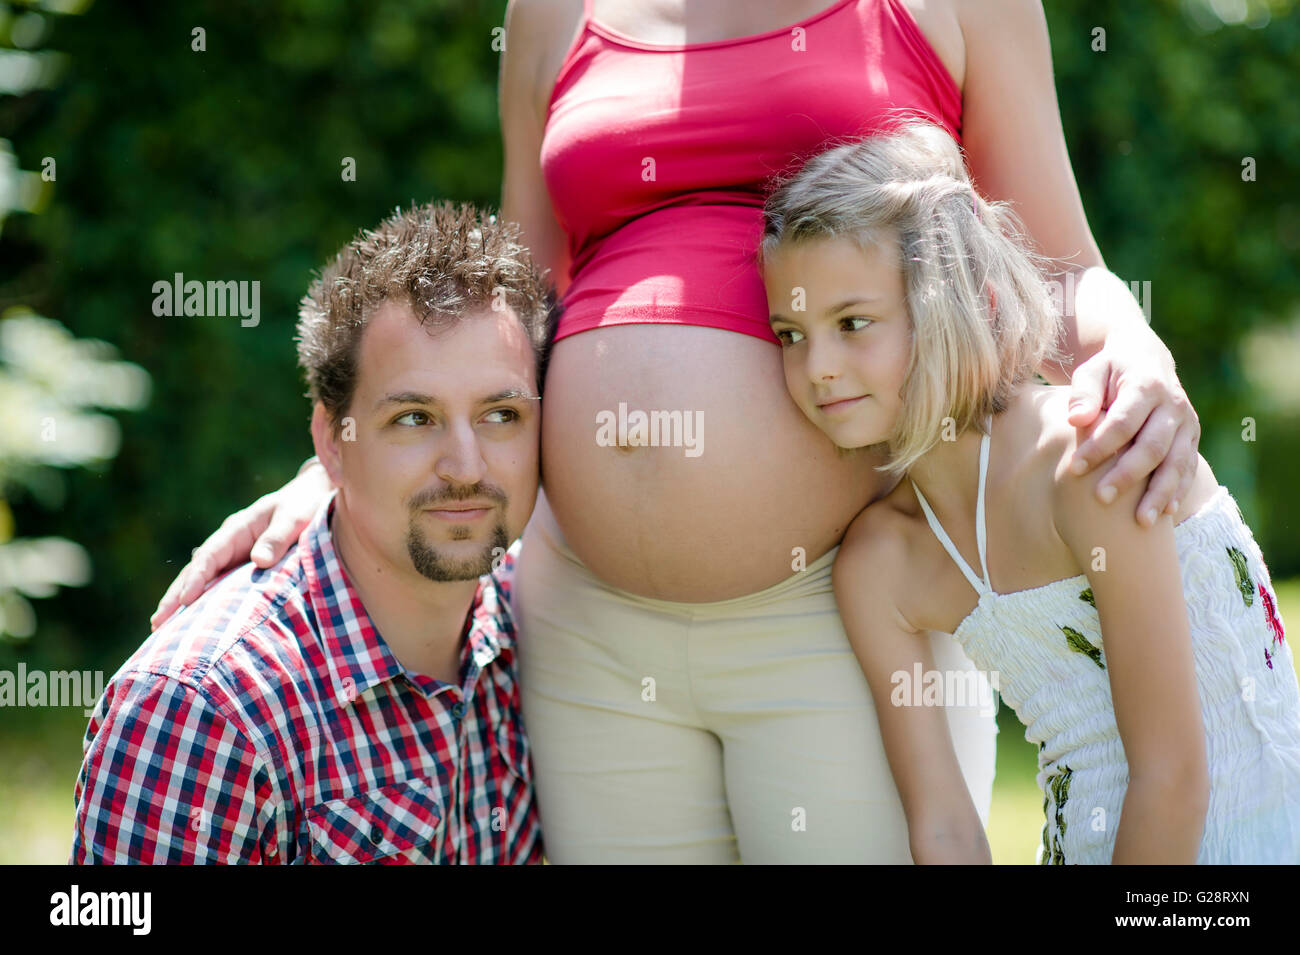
412	419
787	336
510	415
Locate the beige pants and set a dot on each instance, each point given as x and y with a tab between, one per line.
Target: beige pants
667	732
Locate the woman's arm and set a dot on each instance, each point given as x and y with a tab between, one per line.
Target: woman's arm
1011	130
942	823
523	93
1136	583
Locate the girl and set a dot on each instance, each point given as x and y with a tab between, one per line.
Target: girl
1148	663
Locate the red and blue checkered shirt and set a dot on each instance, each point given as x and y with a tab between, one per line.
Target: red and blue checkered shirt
269	722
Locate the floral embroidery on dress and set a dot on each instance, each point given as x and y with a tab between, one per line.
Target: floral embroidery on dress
1274	625
1087	597
1046	858
1270	611
1078	642
1241	569
1053	843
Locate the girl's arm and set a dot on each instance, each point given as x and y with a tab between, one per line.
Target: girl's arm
1137	585
1011	131
942	823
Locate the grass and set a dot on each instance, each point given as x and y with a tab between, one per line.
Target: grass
41	754
1016	816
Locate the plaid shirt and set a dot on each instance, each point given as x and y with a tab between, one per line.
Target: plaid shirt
269	722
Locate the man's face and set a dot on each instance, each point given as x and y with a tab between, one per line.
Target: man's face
440	471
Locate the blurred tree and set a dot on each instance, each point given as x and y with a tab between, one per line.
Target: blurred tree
50	379
1184	130
251	155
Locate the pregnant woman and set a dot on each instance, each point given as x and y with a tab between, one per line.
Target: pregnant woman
687	684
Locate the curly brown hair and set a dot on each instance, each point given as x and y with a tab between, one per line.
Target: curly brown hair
444	260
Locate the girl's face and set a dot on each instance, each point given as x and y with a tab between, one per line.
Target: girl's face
841	316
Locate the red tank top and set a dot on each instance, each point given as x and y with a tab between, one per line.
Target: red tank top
658	158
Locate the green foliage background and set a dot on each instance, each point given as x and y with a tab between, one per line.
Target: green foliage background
226	164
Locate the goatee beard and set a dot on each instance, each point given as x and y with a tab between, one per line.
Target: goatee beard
435	566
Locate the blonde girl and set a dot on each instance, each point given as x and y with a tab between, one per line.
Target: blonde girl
1148	664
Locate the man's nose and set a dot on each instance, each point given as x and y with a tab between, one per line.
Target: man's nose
460	458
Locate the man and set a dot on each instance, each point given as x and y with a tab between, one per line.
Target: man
357	702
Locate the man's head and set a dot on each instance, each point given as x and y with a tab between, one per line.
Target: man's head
424	344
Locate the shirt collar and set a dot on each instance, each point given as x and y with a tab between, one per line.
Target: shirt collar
356	655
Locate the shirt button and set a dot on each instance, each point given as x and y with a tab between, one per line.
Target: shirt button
458	710
376	835
272	851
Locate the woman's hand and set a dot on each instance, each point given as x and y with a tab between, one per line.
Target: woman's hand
1146	409
262	532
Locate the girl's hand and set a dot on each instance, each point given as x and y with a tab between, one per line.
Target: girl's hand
1146	411
262	532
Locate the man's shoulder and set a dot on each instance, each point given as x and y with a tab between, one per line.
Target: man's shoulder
249	634
219	687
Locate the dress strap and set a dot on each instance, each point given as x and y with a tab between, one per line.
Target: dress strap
981	534
981	586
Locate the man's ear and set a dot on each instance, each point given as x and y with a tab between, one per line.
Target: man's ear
326	441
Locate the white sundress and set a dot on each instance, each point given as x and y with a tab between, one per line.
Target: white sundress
1045	645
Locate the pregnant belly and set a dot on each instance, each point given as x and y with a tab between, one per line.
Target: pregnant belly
739	487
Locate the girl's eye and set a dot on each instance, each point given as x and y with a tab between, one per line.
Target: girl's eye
786	336
864	322
511	414
412	418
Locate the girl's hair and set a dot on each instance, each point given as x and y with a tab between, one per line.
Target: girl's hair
983	320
